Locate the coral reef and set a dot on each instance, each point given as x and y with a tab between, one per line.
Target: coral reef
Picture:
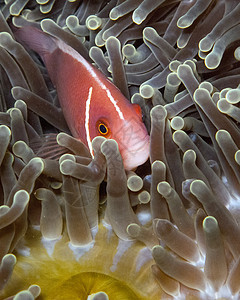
77	227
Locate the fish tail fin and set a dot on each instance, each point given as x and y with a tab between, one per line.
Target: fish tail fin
36	40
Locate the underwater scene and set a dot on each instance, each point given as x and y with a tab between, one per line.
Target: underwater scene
119	149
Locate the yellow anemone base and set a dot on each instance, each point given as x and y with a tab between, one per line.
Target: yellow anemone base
120	269
88	283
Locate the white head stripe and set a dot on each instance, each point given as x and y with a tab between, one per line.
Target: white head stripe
65	48
87	114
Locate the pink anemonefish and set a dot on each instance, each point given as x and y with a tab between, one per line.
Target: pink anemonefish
91	104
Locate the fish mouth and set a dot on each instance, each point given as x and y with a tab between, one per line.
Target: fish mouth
136	156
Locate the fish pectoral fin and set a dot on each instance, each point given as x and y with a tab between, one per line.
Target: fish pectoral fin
138	110
47	147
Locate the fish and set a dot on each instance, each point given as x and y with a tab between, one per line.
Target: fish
92	105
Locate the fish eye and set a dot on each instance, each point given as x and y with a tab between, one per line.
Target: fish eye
102	128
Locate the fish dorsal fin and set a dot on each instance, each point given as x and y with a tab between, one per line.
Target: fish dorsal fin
47	147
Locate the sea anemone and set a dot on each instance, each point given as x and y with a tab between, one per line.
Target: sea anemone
77	227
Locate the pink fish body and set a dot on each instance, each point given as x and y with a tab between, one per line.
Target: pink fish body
91	104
